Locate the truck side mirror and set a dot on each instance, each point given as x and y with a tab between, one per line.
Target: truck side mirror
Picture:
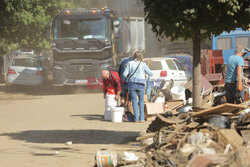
116	25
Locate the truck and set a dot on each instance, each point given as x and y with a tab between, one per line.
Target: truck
224	46
227	42
86	41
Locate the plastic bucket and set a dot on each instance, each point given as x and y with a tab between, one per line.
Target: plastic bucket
107	114
219	121
117	114
106	158
178	93
109	102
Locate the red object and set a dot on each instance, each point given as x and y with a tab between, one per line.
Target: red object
163	74
11	71
209	60
112	85
39	73
215	57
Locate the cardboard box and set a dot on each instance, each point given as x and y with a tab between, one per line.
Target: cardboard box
150	109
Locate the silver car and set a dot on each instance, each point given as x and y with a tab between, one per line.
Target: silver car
25	70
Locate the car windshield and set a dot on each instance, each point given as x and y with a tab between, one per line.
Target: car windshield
155	65
81	29
26	62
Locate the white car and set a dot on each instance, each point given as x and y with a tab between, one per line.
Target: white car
168	69
25	70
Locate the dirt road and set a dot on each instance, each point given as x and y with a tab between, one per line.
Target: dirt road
35	124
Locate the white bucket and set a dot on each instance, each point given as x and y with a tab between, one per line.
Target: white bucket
178	93
106	158
117	114
109	102
107	114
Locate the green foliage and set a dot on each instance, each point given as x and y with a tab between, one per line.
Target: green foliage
23	23
183	18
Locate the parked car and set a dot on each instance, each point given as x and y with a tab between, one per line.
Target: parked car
26	70
184	58
168	69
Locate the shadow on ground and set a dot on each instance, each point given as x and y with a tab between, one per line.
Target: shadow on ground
76	136
91	117
47	90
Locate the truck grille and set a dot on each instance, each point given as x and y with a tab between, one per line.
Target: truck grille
79	72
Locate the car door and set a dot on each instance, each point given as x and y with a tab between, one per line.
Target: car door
171	71
181	74
156	67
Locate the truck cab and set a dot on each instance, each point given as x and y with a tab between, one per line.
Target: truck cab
83	45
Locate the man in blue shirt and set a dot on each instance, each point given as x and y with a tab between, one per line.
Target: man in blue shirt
123	84
234	76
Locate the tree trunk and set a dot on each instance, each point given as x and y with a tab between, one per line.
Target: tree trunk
196	69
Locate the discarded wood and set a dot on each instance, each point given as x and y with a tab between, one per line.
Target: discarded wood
173	104
219	109
179	105
243	127
245	134
182	140
230	136
193	124
180	133
178	128
169	121
206	125
145	137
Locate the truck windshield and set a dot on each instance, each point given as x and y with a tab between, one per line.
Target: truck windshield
80	29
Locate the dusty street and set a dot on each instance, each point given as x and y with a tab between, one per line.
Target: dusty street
35	124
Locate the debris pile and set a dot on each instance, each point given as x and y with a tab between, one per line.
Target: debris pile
216	133
214	136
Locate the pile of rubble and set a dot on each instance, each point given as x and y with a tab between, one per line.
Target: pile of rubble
215	134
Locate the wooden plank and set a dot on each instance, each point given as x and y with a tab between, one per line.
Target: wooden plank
178	129
230	136
173	104
169	121
193	124
145	136
227	107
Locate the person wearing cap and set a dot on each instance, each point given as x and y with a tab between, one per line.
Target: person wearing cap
234	76
134	73
111	84
111	91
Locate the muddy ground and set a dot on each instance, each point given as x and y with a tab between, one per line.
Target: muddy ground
36	122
